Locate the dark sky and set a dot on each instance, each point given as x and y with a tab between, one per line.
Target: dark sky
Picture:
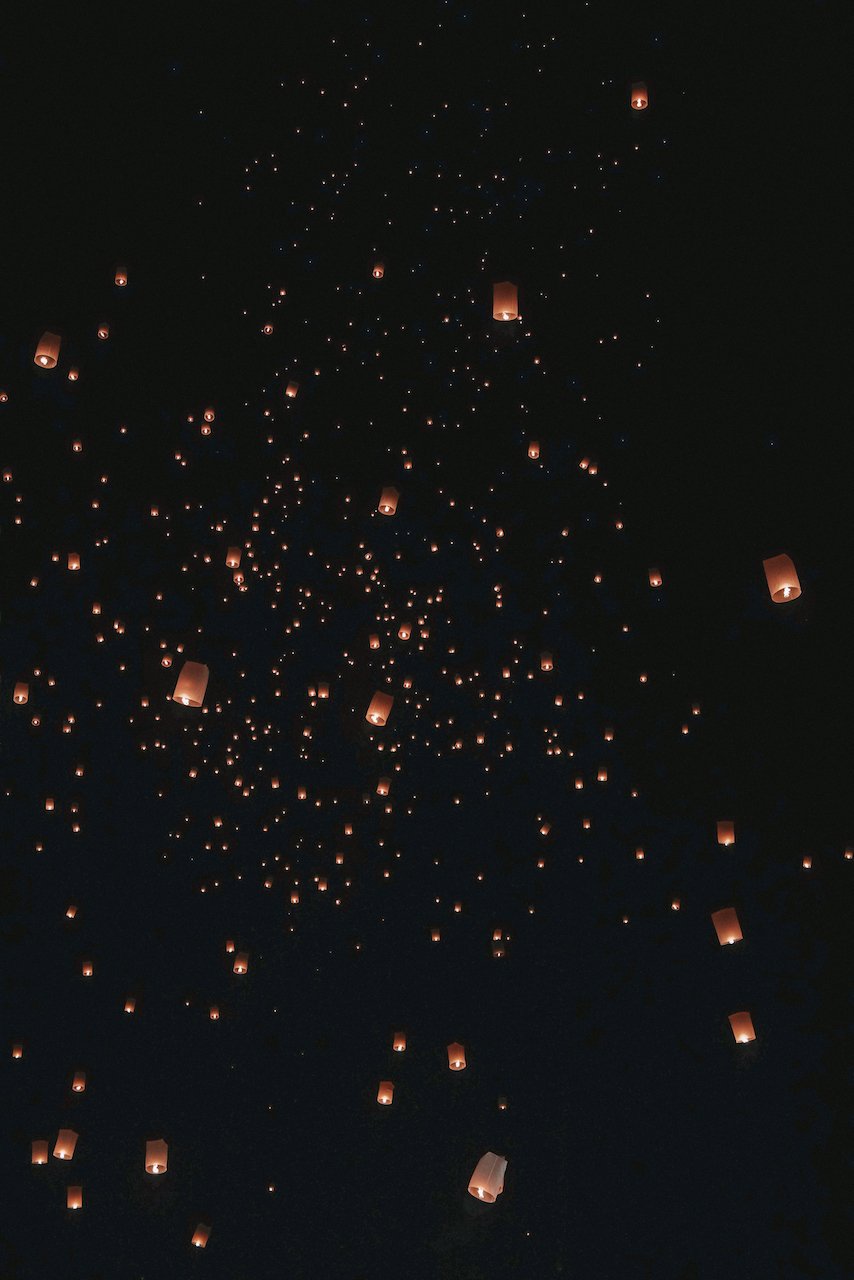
679	367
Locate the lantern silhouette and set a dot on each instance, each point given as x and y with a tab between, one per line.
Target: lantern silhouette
388	501
456	1057
74	1198
38	1151
156	1155
241	962
726	833
21	693
379	708
742	1027
727	926
47	352
639	96
399	1042
505	301
487	1181
66	1141
201	1235
385	1093
232	558
192	683
782	579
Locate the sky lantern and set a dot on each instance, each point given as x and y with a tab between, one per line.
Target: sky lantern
121	277
399	1042
383	786
192	683
505	301
74	1198
66	1141
78	1084
742	1027
73	561
726	833
130	1004
156	1155
487	1181
213	1013
379	708
201	1235
654	578
232	558
546	661
378	270
21	693
38	1151
727	926
782	579
534	449
47	351
385	1093
241	962
639	96
388	501
291	390
456	1057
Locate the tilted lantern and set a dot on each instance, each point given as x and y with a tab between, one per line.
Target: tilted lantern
379	708
66	1141
727	926
782	579
742	1027
192	683
487	1181
201	1235
47	352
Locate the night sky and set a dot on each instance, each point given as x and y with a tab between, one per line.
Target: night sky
268	243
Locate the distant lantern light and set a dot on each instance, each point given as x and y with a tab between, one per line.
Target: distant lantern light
654	578
201	1235
388	501
156	1155
192	683
385	1093
66	1141
78	1084
232	558
783	583
21	693
379	708
505	301
213	1013
534	449
727	926
121	277
378	270
487	1181
209	414
726	833
456	1057
399	1042
742	1027
639	96
130	1004
47	351
291	390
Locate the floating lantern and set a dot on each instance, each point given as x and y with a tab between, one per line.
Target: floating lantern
726	833
546	662
291	390
17	1051
385	1093
639	96
121	277
727	926
505	301
383	786
487	1181
130	1004
378	270
78	1084
38	1152
214	1013
156	1155
201	1235
192	683
66	1141
21	693
399	1042
742	1027
232	558
379	708
388	501
74	1198
241	962
654	578
534	449
456	1057
47	352
73	561
782	579
374	642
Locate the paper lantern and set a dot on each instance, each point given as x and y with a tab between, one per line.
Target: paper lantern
742	1027
383	786
192	683
121	277
374	642
78	1084
130	1004
232	558
505	301
456	1057
291	390
74	1198
378	270
21	693
782	579
38	1151
47	352
399	1042
73	561
727	926
639	96
546	662
388	501
534	449
241	962
156	1155
379	708
726	833
654	578
385	1093
17	1051
201	1235
66	1141
487	1181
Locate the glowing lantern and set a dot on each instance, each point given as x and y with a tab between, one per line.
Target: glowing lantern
130	1004
74	1198
201	1235
78	1084
456	1057
385	1093
66	1141
21	693
121	277
742	1027
73	561
39	1151
399	1042
214	1013
727	926
782	579
379	708
47	352
546	662
487	1181
378	270
534	449
241	962
383	786
374	641
388	501
726	833
505	301
232	558
640	96
192	683
291	390
17	1051
156	1155
654	578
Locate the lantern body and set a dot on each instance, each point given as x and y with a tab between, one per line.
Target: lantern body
156	1155
456	1057
73	561
291	390
232	559
379	708
742	1027
22	693
47	352
78	1084
388	501
782	579
74	1198
192	683
39	1151
654	578
534	449
726	833
121	277
487	1181
214	1013
727	926
505	301
385	1093
241	962
378	270
399	1042
546	662
130	1004
383	786
640	96
66	1141
201	1235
